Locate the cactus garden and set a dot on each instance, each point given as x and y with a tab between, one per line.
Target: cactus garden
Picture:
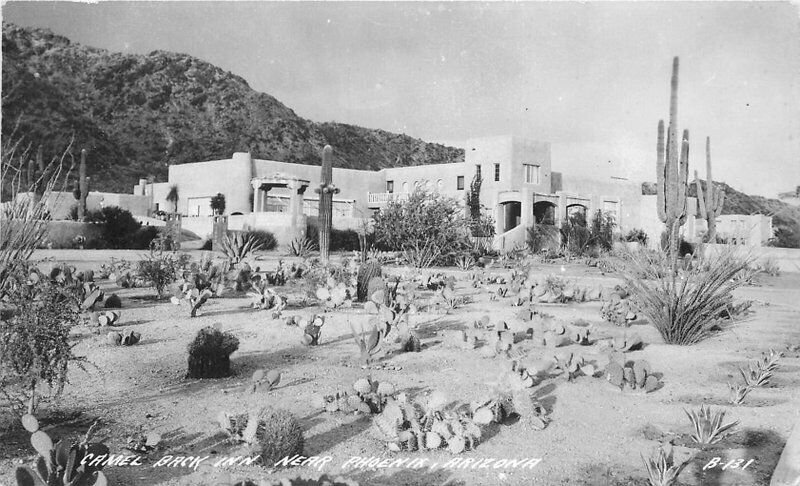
515	359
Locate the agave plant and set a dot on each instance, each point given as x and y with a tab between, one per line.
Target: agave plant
708	428
301	247
661	467
237	247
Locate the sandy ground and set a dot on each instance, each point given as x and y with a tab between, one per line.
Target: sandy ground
595	436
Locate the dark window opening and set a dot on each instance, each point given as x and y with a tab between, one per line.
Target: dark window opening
460	183
478	170
497	172
390	186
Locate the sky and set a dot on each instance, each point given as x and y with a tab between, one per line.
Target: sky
591	78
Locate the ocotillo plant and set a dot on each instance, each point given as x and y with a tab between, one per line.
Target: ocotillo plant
83	181
711	204
672	173
326	191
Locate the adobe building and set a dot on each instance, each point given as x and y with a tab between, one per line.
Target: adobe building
518	188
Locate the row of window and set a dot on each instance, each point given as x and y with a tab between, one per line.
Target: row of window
531	177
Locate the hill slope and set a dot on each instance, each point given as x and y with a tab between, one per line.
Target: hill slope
139	114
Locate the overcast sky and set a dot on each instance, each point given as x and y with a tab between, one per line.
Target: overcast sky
592	78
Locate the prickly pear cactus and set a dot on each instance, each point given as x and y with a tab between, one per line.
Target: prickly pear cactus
61	463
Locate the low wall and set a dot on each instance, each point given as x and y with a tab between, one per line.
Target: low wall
788	259
279	224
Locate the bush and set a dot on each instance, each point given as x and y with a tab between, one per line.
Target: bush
119	228
637	235
341	240
685	248
428	227
684	304
143	237
542	237
161	269
237	245
266	239
209	353
34	341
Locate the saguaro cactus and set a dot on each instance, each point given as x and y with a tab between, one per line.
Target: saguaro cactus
83	181
711	204
672	172
326	191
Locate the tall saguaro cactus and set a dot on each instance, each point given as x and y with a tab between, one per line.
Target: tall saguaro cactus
326	191
83	182
711	204
672	170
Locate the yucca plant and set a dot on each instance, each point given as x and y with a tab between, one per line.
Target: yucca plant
685	305
708	428
760	371
661	467
236	247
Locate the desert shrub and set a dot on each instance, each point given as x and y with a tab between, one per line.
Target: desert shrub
482	226
684	247
160	269
302	247
366	273
427	227
266	238
119	226
637	235
602	230
542	237
34	342
341	240
209	353
769	266
113	302
143	237
687	303
575	236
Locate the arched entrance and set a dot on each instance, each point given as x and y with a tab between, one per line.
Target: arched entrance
510	215
544	212
577	214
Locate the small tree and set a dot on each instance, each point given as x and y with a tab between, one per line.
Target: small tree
173	196
218	203
34	340
428	226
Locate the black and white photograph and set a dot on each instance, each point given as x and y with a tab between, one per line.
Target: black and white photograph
453	243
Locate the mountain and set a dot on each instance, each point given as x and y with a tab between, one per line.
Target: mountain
139	114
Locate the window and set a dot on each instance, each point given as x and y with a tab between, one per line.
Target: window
390	186
531	173
460	183
478	170
497	172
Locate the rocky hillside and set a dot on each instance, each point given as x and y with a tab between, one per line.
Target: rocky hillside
139	114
